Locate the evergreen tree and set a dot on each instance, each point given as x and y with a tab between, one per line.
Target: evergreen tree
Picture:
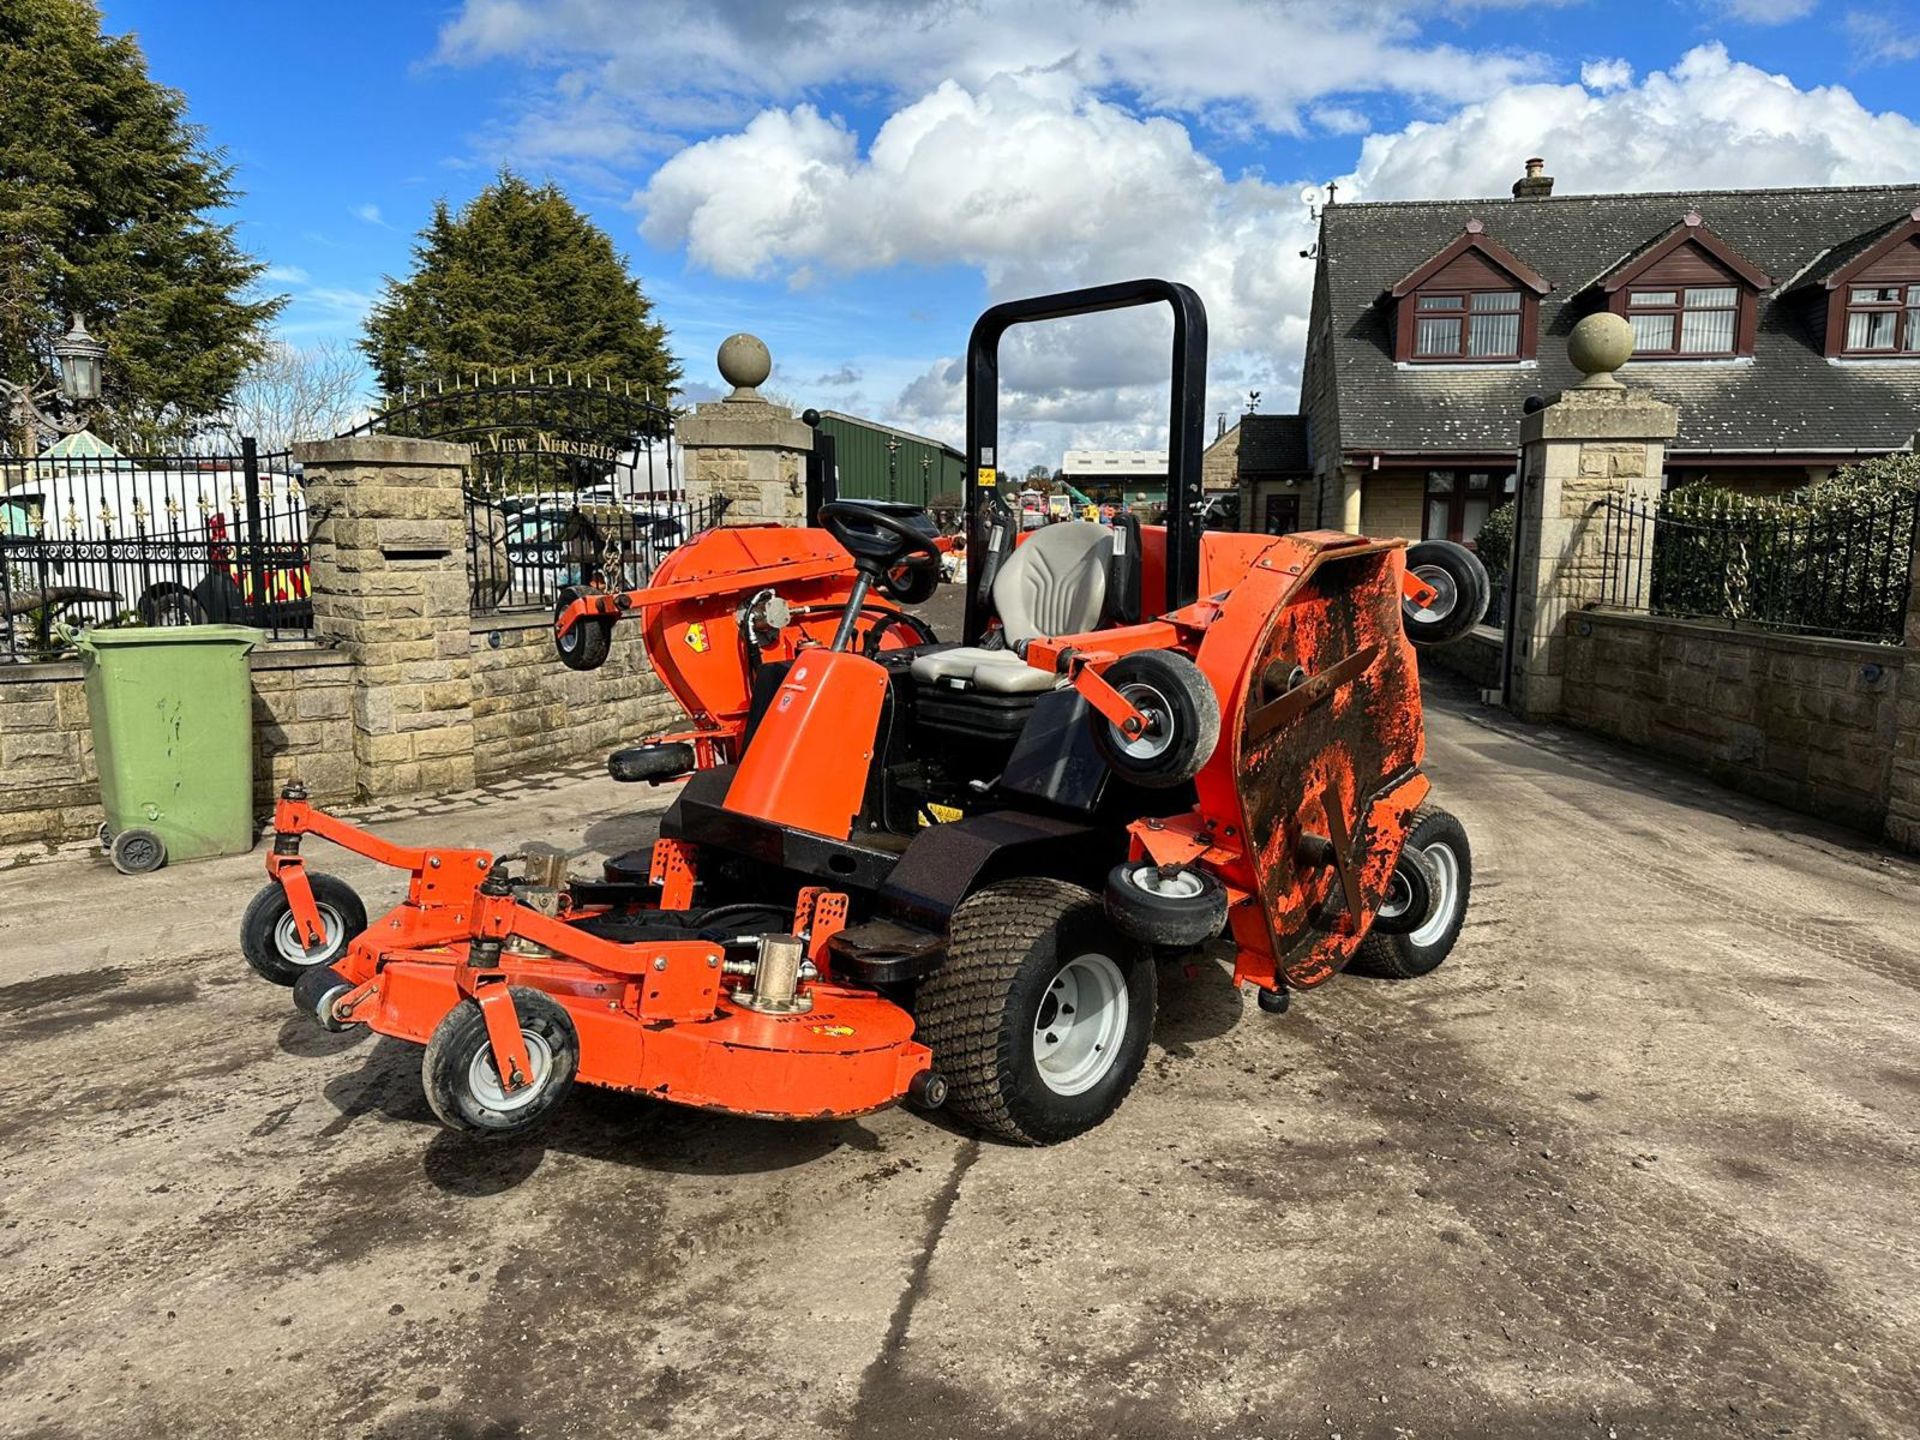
106	203
519	277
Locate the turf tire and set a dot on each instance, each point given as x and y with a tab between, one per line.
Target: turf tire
587	645
265	929
453	1055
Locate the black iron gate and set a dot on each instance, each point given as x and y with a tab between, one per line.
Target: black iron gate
572	480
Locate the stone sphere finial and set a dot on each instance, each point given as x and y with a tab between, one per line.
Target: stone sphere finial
1599	345
745	364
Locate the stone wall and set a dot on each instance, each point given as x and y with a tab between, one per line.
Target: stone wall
1391	503
531	712
50	788
1806	722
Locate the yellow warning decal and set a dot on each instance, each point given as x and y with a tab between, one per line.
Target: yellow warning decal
942	814
986	478
697	638
837	1031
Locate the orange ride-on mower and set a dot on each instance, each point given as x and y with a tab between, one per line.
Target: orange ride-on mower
905	868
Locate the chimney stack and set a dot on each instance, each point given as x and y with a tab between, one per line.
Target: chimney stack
1534	185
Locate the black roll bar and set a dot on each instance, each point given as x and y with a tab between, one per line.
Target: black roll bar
990	521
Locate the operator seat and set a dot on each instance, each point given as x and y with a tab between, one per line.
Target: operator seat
1055	583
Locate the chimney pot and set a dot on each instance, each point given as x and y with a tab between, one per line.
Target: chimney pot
1536	184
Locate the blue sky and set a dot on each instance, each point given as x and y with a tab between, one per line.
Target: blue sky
853	179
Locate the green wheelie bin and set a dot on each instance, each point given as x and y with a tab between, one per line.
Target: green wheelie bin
172	711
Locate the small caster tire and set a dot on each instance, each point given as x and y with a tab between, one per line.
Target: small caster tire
271	941
1175	906
1456	573
587	645
316	993
1178	700
462	1084
651	763
1449	861
1274	1001
927	1090
137	852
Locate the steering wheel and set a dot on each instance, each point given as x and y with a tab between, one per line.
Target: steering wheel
877	533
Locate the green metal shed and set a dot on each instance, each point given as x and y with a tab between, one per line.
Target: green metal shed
879	462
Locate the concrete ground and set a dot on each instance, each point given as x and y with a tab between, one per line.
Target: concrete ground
1638	1161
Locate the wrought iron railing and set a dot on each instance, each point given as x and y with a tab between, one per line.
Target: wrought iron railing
92	539
1843	573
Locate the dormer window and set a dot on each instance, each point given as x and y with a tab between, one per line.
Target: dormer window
1686	320
1883	320
1474	303
1688	295
1481	325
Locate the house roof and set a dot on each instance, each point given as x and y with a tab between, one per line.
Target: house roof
1474	238
1788	397
1273	444
1690	228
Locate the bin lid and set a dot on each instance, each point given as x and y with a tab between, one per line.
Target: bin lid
94	640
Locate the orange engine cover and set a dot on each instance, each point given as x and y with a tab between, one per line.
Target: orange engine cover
807	766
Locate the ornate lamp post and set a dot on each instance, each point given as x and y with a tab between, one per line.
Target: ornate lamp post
78	357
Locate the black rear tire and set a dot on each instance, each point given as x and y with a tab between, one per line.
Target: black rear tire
1171	690
1450	875
1456	572
652	763
1008	967
587	645
462	1085
169	603
270	940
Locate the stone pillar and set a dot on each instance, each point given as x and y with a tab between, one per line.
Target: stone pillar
1596	439
1903	780
1351	482
389	566
745	448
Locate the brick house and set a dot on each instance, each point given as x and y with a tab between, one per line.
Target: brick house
1784	324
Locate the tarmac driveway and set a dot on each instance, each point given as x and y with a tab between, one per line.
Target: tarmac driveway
1638	1161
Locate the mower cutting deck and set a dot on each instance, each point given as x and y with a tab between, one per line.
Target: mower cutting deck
907	869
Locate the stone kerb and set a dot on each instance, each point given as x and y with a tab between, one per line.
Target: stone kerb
389	583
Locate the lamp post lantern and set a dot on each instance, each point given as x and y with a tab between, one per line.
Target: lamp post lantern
78	358
79	355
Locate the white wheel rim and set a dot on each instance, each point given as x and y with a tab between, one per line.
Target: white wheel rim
286	938
1180	885
1152	742
1443	871
484	1081
1082	1019
1446	594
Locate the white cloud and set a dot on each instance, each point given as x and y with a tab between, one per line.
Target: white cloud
1710	122
1879	39
369	213
1766	12
1603	75
285	275
705	63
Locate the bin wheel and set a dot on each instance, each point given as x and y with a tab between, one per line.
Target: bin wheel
271	941
1456	573
105	834
137	852
1177	698
460	1079
1175	906
587	645
1449	864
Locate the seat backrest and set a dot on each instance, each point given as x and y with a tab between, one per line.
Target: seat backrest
1055	582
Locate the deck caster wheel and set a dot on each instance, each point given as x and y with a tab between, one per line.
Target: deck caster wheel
137	852
1462	592
652	763
1449	862
1041	1016
271	941
462	1084
1183	715
1274	1001
1409	898
587	645
1175	906
927	1090
318	991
